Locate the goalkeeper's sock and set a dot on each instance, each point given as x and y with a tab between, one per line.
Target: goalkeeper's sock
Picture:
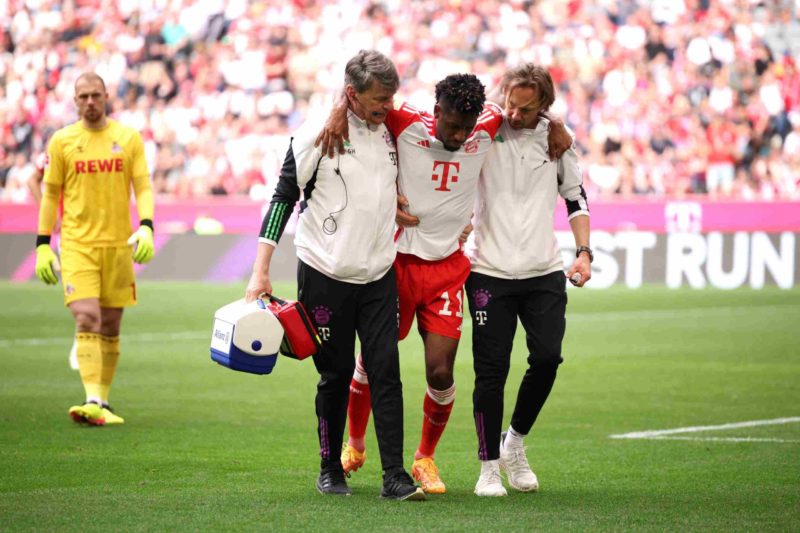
358	407
110	350
90	362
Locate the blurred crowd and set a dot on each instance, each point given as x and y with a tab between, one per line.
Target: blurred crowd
667	98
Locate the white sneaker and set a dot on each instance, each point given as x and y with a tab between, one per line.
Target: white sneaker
490	483
73	357
515	464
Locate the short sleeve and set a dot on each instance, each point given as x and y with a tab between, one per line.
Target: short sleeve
54	166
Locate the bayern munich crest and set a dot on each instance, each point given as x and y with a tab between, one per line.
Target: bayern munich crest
322	315
481	298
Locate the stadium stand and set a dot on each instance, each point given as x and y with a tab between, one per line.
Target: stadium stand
667	98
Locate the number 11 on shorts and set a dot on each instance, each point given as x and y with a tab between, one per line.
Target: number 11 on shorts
446	307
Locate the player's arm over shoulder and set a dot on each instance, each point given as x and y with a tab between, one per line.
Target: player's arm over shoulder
401	117
491	118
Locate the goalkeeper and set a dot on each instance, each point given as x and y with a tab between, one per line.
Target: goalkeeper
93	163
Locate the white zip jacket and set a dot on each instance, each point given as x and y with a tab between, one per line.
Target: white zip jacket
346	225
514	235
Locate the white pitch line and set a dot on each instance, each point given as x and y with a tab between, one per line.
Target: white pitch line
659	433
133	337
726	439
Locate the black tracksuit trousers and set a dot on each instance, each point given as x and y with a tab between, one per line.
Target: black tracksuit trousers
495	303
340	311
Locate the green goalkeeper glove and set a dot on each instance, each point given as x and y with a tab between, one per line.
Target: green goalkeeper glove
46	264
142	242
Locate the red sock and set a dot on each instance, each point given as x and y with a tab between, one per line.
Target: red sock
358	409
433	423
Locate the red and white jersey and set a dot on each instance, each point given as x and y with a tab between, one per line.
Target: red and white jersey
440	185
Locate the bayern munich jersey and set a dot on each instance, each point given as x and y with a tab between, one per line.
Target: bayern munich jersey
440	185
95	170
514	235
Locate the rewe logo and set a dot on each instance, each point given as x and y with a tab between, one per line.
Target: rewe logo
446	173
98	165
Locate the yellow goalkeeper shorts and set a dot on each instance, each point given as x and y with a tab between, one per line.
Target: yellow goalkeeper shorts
104	273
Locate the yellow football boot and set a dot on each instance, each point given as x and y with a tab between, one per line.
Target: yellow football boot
352	459
88	413
426	473
111	417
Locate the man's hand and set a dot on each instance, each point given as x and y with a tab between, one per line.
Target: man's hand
581	271
465	233
403	219
558	139
259	282
47	264
335	132
142	242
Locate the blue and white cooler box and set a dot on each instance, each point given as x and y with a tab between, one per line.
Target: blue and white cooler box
246	337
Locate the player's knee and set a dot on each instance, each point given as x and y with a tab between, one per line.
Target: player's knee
110	326
440	377
87	321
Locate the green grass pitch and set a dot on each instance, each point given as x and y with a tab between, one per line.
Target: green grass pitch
208	449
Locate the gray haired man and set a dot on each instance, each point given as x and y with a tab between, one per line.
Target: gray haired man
345	278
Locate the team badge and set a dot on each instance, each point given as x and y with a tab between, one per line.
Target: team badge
389	139
471	147
69	289
481	298
322	315
115	148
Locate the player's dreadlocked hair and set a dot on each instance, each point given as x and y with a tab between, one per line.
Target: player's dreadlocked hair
463	93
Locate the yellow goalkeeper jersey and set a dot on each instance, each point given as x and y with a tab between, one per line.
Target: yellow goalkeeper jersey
95	170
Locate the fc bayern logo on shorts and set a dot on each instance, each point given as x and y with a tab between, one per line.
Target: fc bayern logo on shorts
481	298
322	315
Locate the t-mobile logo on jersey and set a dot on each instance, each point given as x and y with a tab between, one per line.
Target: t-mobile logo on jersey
324	333
480	317
446	165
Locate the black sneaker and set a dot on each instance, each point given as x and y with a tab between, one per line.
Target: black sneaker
399	486
332	482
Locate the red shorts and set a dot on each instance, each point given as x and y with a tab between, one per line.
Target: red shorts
433	290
